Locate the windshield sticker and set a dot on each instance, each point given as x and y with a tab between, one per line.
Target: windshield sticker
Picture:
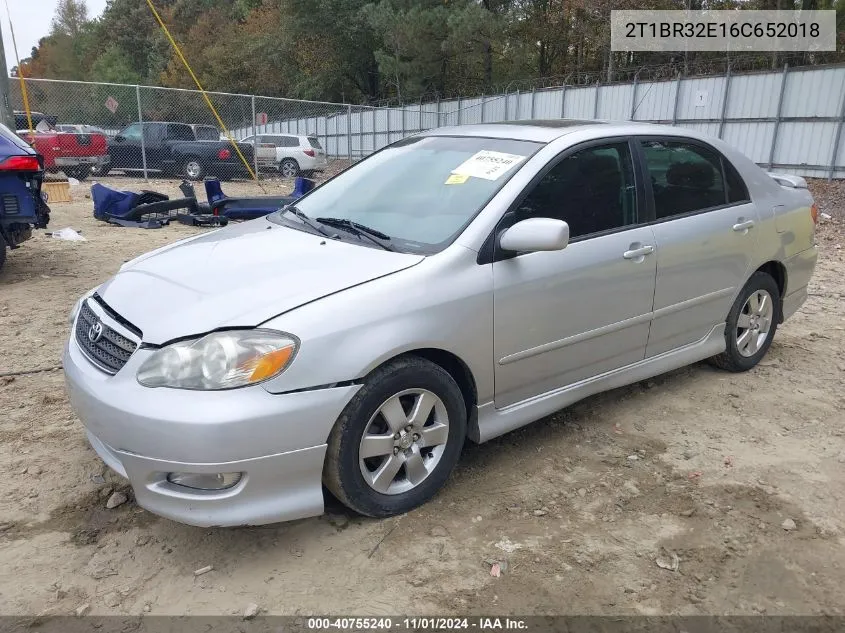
488	164
457	179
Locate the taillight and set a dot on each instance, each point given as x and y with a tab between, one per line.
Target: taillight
814	213
20	163
224	154
308	152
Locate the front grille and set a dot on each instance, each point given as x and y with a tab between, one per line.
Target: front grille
111	351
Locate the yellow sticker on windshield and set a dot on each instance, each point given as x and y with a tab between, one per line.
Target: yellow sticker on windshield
457	179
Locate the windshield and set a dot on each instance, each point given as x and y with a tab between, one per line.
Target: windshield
421	191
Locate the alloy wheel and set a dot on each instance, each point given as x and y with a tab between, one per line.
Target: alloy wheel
754	322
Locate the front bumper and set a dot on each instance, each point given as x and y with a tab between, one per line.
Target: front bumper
277	441
75	161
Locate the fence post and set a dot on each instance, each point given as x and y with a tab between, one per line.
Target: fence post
254	137
836	140
533	94
421	117
438	110
403	120
141	121
563	100
725	98
677	98
777	119
349	131
634	98
596	102
460	110
507	105
483	102
375	138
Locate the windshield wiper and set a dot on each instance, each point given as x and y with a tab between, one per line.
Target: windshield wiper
306	220
362	230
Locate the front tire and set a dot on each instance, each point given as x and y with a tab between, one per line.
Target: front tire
398	440
101	170
751	324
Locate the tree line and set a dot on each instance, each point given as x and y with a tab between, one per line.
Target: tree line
367	51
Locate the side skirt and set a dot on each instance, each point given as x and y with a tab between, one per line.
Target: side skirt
492	422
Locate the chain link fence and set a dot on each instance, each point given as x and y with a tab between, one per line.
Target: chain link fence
141	130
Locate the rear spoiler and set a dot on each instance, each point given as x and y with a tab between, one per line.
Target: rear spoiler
789	181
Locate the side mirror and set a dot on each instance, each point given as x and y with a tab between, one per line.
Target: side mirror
119	138
536	234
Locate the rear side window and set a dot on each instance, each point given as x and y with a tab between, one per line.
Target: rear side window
592	190
180	132
314	142
207	133
687	177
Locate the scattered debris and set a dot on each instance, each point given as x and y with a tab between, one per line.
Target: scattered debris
439	531
633	458
68	235
540	512
98	479
147	607
729	461
688	513
825	216
496	570
251	611
117	499
506	545
112	599
788	525
694	475
203	570
82	610
667	560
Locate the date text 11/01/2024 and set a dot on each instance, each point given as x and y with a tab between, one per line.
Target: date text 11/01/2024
417	623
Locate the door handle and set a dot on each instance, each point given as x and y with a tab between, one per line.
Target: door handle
638	252
743	226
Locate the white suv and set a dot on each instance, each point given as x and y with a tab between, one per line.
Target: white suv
291	154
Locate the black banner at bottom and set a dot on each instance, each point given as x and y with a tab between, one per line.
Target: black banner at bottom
532	624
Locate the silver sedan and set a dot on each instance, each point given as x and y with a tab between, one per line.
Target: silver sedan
460	283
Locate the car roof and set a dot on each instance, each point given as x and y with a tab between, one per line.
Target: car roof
547	130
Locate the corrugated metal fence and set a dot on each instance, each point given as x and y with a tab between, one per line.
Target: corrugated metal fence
790	119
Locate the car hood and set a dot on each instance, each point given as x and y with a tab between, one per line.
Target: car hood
239	276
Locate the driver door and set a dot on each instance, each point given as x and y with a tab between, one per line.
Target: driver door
126	148
564	316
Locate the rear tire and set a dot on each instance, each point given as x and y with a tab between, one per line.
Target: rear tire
100	170
382	459
193	169
289	168
80	173
751	324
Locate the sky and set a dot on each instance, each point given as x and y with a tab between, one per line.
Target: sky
31	20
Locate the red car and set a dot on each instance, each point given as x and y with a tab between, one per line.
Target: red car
76	154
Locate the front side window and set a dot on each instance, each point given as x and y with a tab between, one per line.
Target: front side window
133	132
409	191
685	177
592	190
179	132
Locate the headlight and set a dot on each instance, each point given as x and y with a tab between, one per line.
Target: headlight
220	360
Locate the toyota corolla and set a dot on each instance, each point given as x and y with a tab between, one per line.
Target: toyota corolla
457	284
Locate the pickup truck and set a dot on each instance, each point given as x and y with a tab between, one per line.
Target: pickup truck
74	153
173	148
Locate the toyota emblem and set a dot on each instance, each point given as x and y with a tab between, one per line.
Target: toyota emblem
95	332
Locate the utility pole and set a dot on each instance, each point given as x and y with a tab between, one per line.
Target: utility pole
7	117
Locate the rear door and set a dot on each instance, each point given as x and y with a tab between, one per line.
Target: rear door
704	224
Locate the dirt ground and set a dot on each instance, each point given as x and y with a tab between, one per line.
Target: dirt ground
736	483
